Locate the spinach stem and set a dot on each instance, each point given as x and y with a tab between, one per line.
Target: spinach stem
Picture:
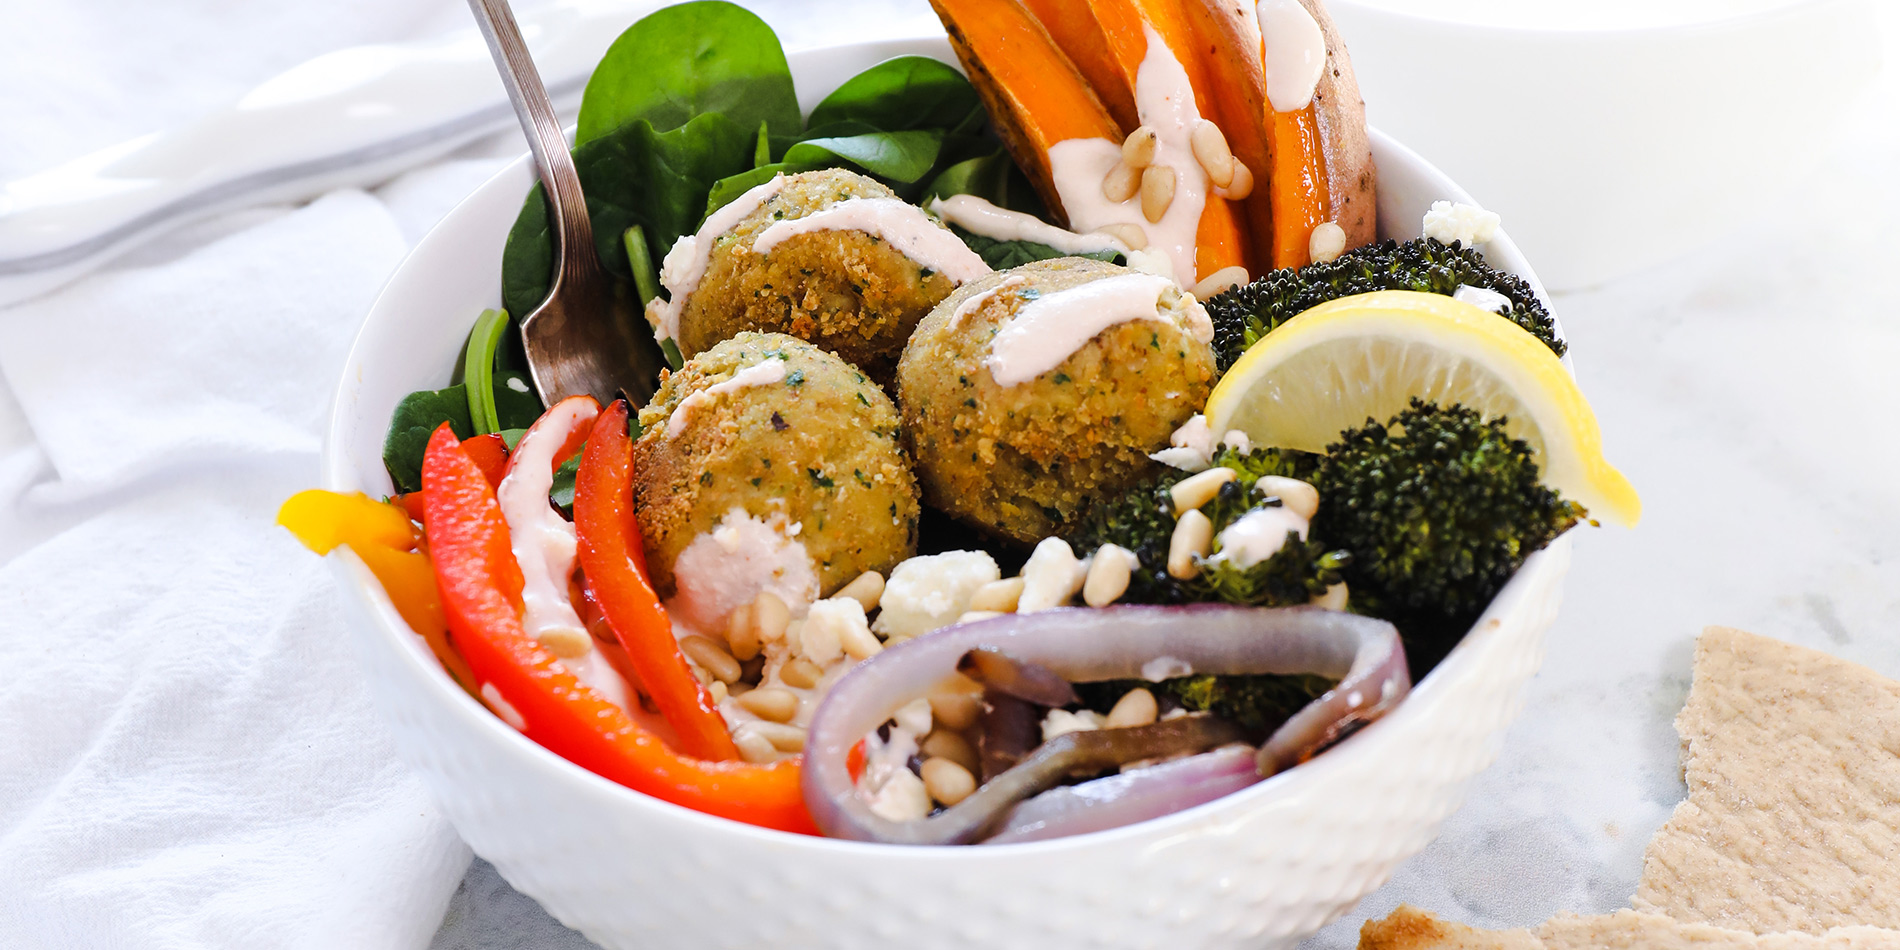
478	363
645	279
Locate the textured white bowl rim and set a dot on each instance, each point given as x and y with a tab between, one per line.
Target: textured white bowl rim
426	673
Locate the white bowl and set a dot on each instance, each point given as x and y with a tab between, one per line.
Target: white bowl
1614	135
1261	868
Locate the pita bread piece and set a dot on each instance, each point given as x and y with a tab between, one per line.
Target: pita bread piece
1409	928
1792	759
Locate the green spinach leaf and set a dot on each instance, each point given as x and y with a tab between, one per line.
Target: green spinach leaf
415	419
633	176
1001	255
899	158
909	92
689	60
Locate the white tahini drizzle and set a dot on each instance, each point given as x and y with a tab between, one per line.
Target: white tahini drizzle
1164	100
904	225
1049	328
543	542
1293	52
686	263
763	373
978	216
1259	534
730	565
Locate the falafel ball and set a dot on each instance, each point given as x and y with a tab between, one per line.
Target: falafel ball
1098	365
850	291
766	463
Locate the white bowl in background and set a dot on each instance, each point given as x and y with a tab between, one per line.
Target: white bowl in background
1613	136
1261	868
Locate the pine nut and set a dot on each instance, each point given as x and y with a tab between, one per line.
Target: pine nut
947	744
801	673
1333	599
1193	538
955	710
1051	576
711	655
771	615
742	632
1137	707
972	616
566	642
1131	235
770	702
1108	575
1157	191
718	691
947	782
867	589
1138	149
1224	279
1210	149
914	717
858	640
999	596
1242	185
1197	490
782	737
753	747
1122	182
1327	243
1299	497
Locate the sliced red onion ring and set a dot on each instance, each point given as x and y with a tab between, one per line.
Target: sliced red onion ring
1086	644
1005	674
1130	797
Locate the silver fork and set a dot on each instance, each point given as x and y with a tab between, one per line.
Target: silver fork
583	338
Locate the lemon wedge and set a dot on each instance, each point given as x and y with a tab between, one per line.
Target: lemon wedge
1331	368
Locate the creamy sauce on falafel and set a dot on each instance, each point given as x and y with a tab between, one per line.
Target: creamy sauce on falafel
903	225
977	216
763	373
686	263
1051	327
1164	99
729	566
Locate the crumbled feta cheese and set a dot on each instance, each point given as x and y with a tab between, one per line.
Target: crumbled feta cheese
914	717
1470	224
932	591
1051	576
1192	446
1061	722
829	627
902	797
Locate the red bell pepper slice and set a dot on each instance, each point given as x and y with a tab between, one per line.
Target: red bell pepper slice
605	526
481	599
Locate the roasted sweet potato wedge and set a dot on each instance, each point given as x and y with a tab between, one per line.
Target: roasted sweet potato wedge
1317	160
1036	97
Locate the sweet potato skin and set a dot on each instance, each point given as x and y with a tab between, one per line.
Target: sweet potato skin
1352	179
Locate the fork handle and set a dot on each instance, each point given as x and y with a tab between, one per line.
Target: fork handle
574	255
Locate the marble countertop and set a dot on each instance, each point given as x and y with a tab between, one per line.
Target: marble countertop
1748	391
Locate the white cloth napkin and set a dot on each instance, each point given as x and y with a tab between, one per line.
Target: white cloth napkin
191	760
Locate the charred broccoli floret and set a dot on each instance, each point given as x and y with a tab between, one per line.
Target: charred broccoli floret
1143	522
1257	703
1438	507
1245	314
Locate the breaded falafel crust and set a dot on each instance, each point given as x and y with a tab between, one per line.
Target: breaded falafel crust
816	453
1023	461
849	292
